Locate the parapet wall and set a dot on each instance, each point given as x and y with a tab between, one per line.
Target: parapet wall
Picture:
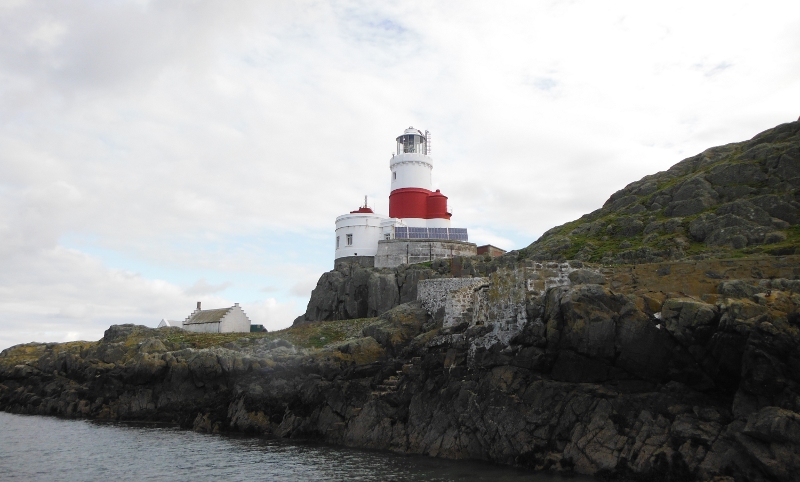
394	252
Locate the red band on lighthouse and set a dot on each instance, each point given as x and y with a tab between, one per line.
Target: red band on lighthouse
417	203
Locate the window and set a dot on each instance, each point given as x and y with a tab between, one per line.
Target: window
349	239
337	242
394	175
387	236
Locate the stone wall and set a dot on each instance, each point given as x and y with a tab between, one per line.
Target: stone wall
394	252
502	295
448	296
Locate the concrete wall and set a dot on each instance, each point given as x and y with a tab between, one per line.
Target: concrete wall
235	321
395	252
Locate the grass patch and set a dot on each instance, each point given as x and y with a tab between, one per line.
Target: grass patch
29	353
311	335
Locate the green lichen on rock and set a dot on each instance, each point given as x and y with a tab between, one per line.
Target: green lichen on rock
735	200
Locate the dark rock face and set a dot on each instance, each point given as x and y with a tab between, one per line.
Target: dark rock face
353	291
625	385
742	197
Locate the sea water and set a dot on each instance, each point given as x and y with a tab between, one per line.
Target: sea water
37	448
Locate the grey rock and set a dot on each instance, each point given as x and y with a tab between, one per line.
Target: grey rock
586	276
727	229
736	173
398	326
696	187
777	208
689	320
774	237
737	289
689	207
746	210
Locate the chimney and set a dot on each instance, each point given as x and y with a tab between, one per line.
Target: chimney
198	306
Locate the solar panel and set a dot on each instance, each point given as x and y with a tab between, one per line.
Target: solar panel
456	234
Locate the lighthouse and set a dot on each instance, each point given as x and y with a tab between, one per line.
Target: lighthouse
412	199
418	227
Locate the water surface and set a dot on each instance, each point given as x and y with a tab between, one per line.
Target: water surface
36	448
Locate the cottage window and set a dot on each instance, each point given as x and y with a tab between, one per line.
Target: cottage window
349	239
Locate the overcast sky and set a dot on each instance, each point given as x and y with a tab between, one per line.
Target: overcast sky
153	154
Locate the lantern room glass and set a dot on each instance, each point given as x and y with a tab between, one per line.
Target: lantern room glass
408	143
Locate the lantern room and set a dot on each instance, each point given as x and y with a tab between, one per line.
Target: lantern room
412	141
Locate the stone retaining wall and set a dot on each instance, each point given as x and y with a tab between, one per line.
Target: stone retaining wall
394	252
453	295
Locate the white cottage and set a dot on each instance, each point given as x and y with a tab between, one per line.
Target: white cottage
166	322
222	320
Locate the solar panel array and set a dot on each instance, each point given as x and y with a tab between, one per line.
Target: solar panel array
453	234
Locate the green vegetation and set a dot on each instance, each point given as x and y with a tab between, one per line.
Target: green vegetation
616	233
310	335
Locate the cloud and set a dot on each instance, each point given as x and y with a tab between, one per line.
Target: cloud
271	313
147	146
203	287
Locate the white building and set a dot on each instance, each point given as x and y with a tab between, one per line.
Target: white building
222	320
358	232
165	322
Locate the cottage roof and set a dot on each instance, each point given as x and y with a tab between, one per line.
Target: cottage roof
166	322
207	316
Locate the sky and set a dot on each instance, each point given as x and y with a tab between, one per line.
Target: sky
158	153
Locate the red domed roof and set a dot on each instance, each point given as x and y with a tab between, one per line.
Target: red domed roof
363	209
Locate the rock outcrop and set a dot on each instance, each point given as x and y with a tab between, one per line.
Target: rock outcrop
353	291
742	198
561	367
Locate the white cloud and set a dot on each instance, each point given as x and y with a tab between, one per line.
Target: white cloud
211	145
273	314
203	287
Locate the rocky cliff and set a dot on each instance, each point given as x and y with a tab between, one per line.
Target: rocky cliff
353	291
601	374
735	200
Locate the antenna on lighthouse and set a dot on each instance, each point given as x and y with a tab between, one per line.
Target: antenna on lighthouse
428	142
365	201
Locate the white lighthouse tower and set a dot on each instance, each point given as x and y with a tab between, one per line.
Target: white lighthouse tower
412	199
418	226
